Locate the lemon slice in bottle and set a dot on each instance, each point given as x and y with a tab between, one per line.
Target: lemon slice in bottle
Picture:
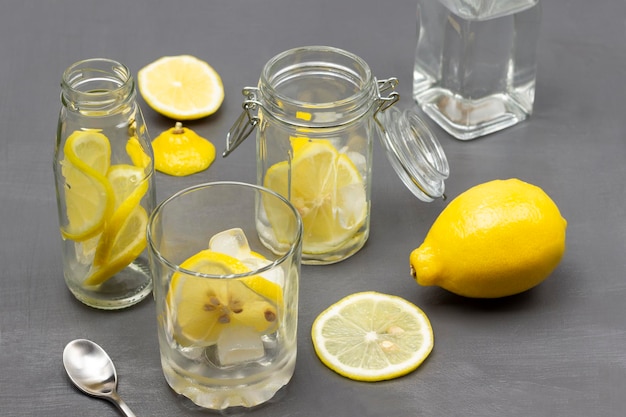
370	336
181	87
125	246
129	185
88	194
326	189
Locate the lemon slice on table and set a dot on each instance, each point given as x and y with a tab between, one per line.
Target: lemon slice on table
370	336
181	87
125	246
129	185
326	189
88	194
201	308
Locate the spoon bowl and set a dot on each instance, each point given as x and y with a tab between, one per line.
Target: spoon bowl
92	371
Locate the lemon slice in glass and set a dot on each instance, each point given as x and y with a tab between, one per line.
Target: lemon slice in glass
370	336
181	87
201	308
88	194
326	189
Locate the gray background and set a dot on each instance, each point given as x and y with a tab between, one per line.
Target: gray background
557	350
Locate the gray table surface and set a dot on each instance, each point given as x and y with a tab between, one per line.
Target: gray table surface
557	350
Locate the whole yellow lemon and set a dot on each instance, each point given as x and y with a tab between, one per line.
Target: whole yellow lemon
496	239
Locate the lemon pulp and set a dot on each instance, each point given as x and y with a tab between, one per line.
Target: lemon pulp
103	204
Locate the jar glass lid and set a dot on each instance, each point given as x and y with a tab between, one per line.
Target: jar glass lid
414	152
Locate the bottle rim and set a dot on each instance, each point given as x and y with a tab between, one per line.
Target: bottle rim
97	84
299	64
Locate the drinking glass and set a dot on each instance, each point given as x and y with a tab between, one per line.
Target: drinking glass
226	279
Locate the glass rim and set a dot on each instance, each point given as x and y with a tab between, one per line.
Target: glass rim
177	268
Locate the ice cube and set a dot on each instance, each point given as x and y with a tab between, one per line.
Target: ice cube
231	242
274	275
238	344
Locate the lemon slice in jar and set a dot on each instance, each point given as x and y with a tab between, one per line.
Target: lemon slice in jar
326	189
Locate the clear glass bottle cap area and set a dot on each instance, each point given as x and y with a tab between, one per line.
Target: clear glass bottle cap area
414	152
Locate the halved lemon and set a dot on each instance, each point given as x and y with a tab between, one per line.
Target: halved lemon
125	246
326	189
181	87
370	336
201	308
88	193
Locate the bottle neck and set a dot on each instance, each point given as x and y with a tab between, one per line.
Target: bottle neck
317	87
97	87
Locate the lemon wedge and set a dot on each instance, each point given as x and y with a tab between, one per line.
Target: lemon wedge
326	189
181	87
370	336
88	194
202	308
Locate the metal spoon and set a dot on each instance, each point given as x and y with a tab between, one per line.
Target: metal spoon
92	371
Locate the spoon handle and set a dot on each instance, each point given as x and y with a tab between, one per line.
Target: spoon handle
125	409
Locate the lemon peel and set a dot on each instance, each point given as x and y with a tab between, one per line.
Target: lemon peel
179	151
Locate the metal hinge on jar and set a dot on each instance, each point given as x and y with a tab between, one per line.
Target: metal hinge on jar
248	119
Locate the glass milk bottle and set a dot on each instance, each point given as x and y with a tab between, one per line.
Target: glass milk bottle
103	169
316	110
475	63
